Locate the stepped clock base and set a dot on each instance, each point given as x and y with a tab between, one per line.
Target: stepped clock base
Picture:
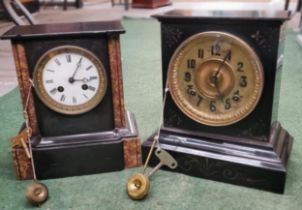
252	165
81	154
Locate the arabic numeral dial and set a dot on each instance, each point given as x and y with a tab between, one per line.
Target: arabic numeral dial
215	78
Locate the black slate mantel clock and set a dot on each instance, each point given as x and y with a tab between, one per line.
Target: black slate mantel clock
75	107
222	70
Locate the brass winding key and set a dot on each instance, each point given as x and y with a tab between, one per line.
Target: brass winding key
139	184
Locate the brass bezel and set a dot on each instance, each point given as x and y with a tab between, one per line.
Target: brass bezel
59	107
214	119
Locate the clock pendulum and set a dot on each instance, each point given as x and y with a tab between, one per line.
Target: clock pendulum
36	193
138	185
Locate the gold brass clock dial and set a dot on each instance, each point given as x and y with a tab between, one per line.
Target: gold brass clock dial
215	78
70	80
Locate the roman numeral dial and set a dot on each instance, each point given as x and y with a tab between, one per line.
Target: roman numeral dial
70	80
215	78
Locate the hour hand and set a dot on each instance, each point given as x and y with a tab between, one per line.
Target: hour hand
220	95
222	63
85	79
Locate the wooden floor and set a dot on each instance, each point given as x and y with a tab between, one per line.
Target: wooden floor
96	12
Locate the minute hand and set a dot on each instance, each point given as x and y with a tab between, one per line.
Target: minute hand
216	74
77	68
221	64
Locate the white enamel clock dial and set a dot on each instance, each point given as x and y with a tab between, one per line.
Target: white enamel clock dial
70	80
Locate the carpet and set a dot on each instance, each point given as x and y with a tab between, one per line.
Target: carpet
142	86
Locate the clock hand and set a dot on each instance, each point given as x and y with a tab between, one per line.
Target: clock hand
71	79
221	64
215	78
221	96
85	79
80	80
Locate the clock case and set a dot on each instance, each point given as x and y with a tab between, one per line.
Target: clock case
100	140
253	152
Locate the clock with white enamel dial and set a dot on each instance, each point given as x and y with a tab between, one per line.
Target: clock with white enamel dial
70	80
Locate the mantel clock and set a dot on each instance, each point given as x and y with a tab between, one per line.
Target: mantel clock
70	79
222	70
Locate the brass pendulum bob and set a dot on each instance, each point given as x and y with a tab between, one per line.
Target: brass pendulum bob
138	186
36	193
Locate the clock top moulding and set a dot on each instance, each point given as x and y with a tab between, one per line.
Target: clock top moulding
123	121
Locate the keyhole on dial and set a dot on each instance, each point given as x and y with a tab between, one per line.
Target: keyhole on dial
84	87
60	89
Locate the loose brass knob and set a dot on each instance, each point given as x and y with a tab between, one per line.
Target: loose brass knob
36	193
138	186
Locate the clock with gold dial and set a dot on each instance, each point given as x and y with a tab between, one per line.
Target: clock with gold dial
215	78
221	75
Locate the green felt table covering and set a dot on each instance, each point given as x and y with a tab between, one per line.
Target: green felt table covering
142	85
